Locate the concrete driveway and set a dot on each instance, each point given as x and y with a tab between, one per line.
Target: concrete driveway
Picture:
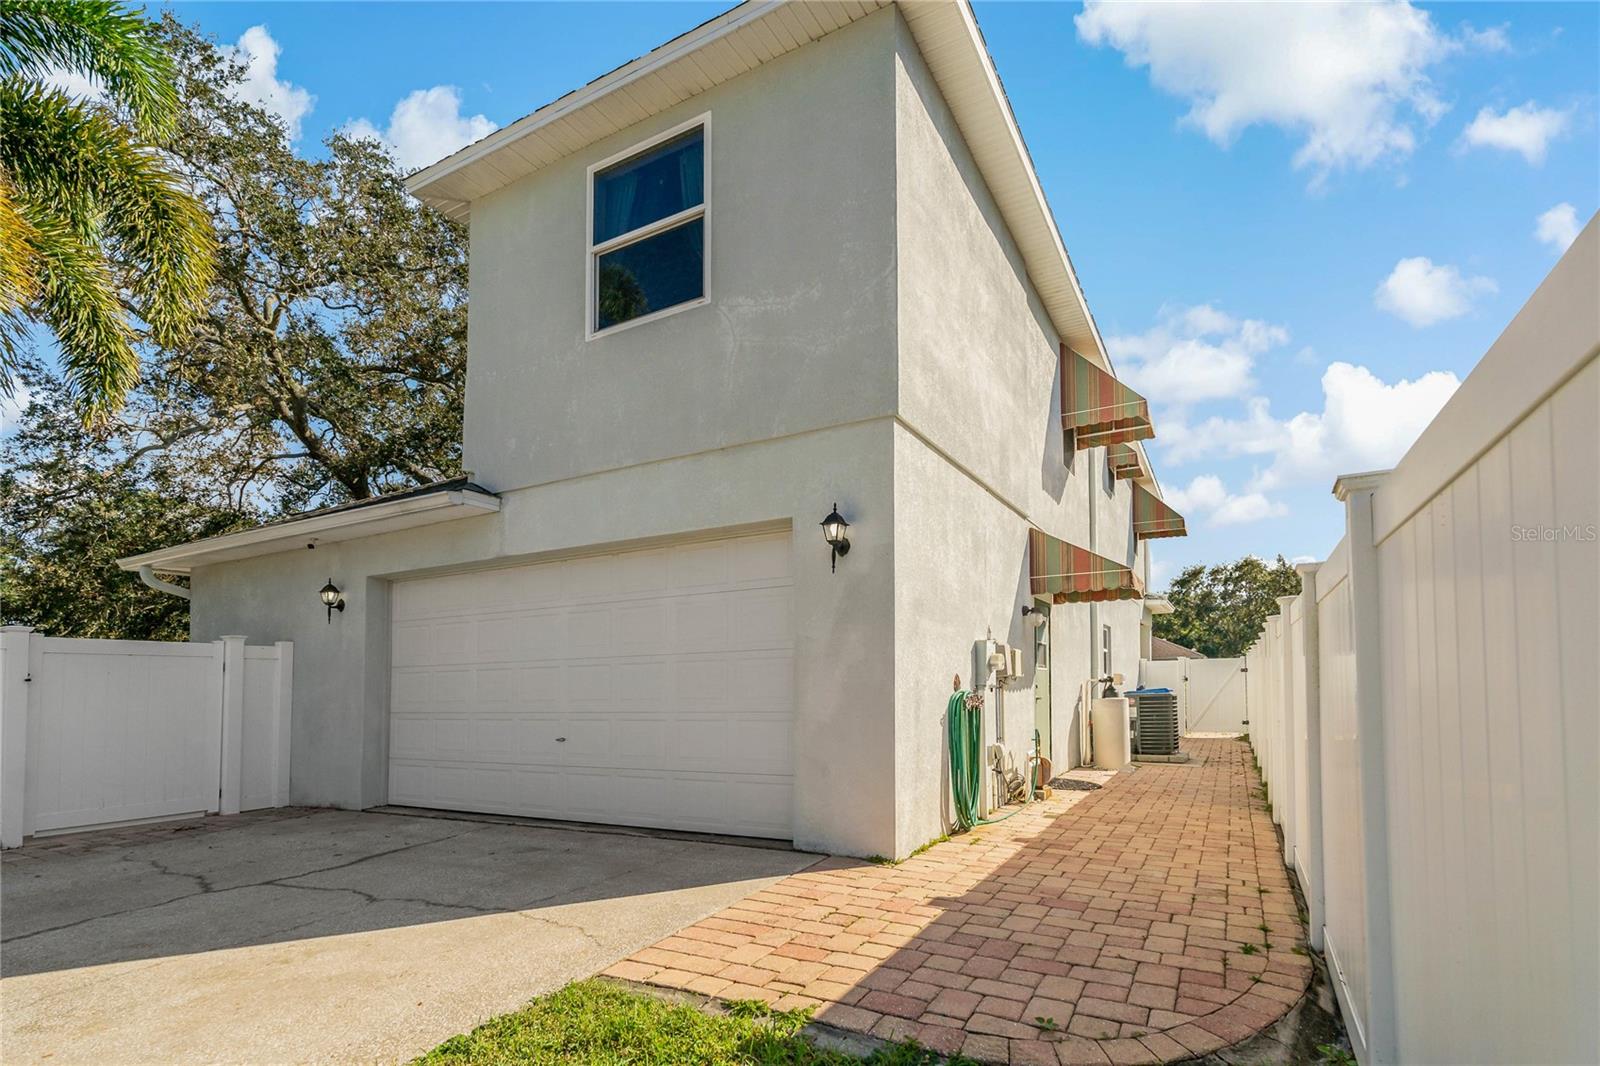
320	936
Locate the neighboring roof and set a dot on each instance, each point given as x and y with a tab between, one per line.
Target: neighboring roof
740	40
442	501
1161	648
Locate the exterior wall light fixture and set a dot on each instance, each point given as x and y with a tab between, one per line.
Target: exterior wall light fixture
833	530
1034	615
332	599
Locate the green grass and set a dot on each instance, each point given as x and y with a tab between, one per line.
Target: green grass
601	1024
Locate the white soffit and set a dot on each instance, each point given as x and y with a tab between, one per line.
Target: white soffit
347	524
737	42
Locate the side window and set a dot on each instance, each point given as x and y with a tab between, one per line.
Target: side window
647	230
1105	651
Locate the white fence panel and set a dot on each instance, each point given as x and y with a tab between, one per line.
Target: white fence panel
1211	692
1452	681
124	730
103	732
1344	927
1215	696
268	678
1490	711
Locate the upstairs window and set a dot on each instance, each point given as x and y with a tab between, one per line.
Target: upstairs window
647	233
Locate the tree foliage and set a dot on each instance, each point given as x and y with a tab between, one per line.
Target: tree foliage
327	365
1219	610
100	240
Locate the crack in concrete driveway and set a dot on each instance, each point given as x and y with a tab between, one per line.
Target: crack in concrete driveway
332	936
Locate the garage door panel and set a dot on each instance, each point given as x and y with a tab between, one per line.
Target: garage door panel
540	687
761	619
700	623
589	632
453	686
698	566
587	683
645	686
762	680
588	579
495	735
639	574
538	792
764	560
528	586
641	628
668	672
497	685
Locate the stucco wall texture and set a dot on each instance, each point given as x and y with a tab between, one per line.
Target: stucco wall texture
871	337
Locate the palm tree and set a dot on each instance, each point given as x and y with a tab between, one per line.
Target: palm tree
98	239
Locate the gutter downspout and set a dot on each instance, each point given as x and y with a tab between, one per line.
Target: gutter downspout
1085	744
147	574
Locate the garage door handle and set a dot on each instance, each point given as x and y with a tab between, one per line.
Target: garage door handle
561	740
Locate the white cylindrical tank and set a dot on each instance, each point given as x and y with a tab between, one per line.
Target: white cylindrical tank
1112	746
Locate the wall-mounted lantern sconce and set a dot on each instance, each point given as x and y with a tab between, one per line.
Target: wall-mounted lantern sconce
332	599
833	528
1034	615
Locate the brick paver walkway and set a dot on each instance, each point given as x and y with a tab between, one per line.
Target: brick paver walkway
1122	916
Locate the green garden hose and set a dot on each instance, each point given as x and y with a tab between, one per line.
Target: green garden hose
964	728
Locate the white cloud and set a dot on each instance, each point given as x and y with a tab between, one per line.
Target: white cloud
1206	497
1558	227
1423	293
1258	433
425	127
258	52
1194	354
1350	79
75	85
12	406
1492	39
1364	424
1527	130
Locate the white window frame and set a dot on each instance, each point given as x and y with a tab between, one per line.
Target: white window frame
1105	650
593	251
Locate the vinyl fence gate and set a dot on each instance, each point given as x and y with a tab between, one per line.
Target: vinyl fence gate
96	733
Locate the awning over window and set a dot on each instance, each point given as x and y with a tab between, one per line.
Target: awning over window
1066	573
1127	461
1097	408
1153	518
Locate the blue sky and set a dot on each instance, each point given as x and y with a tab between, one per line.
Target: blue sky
1294	223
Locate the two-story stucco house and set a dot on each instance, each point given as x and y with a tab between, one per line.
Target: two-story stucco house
796	258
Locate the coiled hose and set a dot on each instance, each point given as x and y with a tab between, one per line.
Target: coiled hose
964	728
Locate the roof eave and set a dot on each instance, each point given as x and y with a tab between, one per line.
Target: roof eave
333	526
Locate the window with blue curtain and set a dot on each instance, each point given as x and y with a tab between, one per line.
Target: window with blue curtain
648	231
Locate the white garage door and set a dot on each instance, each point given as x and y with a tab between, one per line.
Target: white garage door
651	688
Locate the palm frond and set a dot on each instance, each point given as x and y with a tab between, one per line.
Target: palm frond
78	299
18	277
86	188
105	40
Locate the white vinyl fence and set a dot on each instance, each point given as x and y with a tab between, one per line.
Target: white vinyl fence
104	732
1425	713
1211	692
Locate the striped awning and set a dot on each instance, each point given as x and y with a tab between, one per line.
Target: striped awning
1096	408
1066	573
1127	461
1153	518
